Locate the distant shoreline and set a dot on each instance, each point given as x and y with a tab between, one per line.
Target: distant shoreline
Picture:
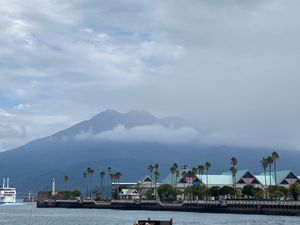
286	208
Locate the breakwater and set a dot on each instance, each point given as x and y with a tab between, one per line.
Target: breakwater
290	208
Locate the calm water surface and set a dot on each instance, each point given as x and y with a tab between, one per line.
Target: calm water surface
19	214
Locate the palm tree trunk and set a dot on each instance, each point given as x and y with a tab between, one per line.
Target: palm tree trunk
91	178
206	185
275	172
265	186
270	174
108	186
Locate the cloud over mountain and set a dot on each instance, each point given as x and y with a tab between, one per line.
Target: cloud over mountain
150	133
231	68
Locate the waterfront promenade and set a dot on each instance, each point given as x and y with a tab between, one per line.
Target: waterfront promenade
291	208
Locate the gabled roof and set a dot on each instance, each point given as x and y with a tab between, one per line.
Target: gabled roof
281	175
147	179
128	192
240	176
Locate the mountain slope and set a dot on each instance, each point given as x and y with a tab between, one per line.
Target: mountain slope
32	166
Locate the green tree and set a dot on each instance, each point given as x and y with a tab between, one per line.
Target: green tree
226	191
194	192
258	193
149	194
248	190
277	192
295	191
214	191
167	193
75	193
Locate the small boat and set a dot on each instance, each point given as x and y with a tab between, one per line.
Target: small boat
154	222
7	194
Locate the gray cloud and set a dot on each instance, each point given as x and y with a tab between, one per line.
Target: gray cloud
231	68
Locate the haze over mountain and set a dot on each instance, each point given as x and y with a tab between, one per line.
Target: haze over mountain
128	142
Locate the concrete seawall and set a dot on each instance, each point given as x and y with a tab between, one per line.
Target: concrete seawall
291	208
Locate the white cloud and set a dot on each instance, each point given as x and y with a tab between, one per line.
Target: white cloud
5	113
230	67
151	133
22	106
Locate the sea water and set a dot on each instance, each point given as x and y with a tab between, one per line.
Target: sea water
27	214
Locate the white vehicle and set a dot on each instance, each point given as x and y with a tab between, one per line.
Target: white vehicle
7	194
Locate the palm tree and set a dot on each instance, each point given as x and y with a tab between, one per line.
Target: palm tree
201	169
156	176
207	165
233	170
102	174
118	176
91	182
184	174
194	171
151	168
275	157
88	172
270	162
109	169
66	179
172	170
177	173
264	164
85	183
175	166
112	178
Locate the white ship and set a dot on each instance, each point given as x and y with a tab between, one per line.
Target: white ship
7	194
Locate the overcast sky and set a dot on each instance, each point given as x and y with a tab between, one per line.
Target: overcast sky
229	67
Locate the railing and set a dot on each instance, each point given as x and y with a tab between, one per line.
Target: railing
241	202
189	202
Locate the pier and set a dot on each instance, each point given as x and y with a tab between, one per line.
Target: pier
290	208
